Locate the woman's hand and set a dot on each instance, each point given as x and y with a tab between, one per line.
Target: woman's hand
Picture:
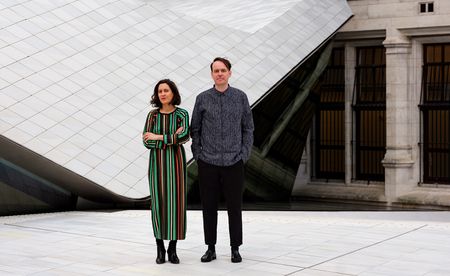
151	136
179	130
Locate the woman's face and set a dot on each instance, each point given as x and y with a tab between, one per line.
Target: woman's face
165	94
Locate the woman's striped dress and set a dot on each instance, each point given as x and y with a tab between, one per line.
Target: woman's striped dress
167	173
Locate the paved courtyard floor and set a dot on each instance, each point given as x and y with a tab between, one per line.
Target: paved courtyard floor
275	243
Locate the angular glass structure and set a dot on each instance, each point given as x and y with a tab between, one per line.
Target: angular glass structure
76	76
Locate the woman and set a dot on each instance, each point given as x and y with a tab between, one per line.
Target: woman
166	129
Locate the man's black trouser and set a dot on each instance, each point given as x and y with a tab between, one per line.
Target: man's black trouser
214	180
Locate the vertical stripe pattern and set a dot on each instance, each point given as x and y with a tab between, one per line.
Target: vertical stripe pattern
167	173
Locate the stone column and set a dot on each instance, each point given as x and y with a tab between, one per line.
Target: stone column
398	159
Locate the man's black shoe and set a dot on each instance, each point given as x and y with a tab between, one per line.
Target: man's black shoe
208	256
235	256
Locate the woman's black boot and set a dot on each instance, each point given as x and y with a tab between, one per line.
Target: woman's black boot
172	252
161	252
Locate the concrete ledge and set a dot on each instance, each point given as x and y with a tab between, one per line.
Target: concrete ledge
341	191
423	198
426	196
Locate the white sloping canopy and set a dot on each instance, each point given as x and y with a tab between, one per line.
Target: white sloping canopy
76	76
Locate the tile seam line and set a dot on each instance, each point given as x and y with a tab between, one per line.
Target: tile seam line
359	249
122	240
72	233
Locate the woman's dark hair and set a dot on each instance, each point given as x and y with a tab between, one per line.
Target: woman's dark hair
176	95
223	60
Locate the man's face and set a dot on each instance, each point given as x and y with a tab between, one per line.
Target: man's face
220	73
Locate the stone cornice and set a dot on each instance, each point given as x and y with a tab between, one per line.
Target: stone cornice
426	31
358	35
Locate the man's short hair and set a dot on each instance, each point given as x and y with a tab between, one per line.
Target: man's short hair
223	60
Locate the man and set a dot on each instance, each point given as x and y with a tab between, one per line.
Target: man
222	138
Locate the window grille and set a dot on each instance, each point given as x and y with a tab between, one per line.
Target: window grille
370	113
435	108
427	7
330	119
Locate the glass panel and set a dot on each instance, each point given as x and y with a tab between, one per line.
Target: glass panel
330	130
370	111
423	7
447	53
436	114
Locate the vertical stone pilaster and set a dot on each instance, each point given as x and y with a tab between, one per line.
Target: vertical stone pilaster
350	64
398	159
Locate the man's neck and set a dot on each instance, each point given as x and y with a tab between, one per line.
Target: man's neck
221	88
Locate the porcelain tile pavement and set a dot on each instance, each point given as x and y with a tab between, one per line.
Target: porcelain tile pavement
275	243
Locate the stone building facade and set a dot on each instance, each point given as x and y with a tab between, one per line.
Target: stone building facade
395	58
